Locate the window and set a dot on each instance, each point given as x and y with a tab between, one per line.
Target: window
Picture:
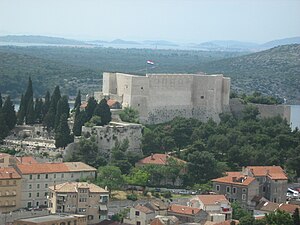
69	222
244	197
62	175
38	194
28	204
228	189
54	175
46	185
30	186
38	186
29	195
138	223
234	190
202	97
30	176
90	217
142	88
46	176
264	189
38	176
217	187
275	200
244	190
137	213
46	193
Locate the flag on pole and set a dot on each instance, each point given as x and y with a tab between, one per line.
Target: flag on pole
150	62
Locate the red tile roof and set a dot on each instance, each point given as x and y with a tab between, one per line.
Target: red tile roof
43	168
274	172
27	160
185	210
236	178
158	159
143	209
288	208
111	102
212	199
9	173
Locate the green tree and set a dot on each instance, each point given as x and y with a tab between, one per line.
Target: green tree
296	217
62	108
111	177
238	212
90	108
77	100
130	115
102	109
21	113
1	102
279	218
250	112
79	120
9	113
30	115
137	176
49	120
46	104
38	107
62	134
247	220
3	127
28	95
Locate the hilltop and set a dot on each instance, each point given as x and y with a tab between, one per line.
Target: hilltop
273	72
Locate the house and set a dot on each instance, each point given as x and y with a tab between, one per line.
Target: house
289	208
37	177
163	160
237	187
140	215
187	214
217	206
60	219
158	206
265	207
165	220
272	181
79	197
10	189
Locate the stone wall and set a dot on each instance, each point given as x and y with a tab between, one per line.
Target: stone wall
161	97
107	136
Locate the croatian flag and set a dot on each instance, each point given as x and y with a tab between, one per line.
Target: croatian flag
150	62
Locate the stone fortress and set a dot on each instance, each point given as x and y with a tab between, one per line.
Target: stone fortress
161	97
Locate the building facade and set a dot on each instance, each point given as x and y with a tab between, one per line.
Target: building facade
80	198
53	220
38	177
162	97
10	189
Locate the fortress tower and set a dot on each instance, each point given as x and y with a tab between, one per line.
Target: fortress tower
161	97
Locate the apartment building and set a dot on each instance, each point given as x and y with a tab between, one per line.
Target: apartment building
37	177
80	198
237	187
10	189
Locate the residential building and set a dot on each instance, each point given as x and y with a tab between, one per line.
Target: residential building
140	215
237	187
165	220
265	207
60	219
10	189
289	208
163	160
158	206
272	181
37	177
187	214
80	198
217	206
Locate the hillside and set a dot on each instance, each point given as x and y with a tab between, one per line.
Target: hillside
46	74
273	72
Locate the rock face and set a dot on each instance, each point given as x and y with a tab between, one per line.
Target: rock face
161	97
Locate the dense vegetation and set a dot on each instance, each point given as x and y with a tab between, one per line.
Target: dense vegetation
272	72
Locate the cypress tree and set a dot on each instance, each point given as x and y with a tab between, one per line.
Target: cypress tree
55	98
62	108
80	119
1	101
90	108
49	120
103	111
30	115
3	127
46	104
77	100
28	95
62	134
9	113
21	112
38	107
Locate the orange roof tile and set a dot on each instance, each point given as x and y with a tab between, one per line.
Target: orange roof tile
181	209
143	209
9	173
289	208
274	172
26	160
73	187
158	159
212	199
83	105
236	178
78	166
111	102
43	168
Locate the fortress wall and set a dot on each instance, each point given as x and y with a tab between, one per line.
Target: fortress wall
124	87
109	83
226	94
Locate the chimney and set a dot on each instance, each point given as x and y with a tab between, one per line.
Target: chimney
54	185
152	157
193	212
10	175
234	179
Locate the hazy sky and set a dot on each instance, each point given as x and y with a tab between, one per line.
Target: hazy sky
174	20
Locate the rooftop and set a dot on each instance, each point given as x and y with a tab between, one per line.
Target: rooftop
181	209
267	206
26	160
79	166
49	218
9	173
212	199
236	178
143	209
288	208
74	186
274	172
158	159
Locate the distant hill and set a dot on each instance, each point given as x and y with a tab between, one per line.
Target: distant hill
230	45
35	39
123	42
285	41
159	42
46	74
273	72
